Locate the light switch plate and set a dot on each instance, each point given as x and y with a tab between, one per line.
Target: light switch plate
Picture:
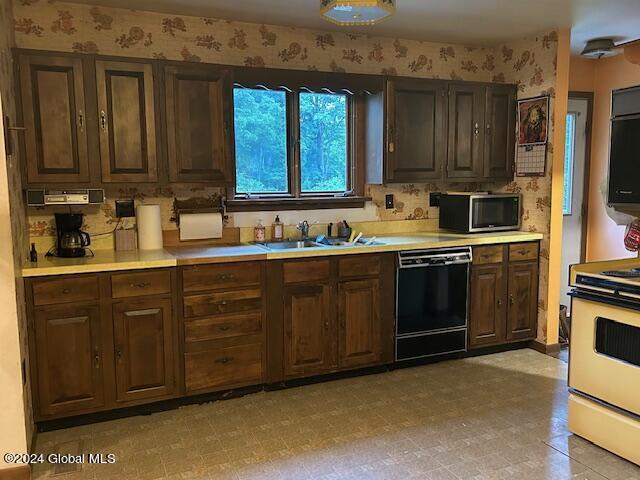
388	201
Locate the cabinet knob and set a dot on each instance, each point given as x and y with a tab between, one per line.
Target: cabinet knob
224	360
81	120
66	291
511	300
476	129
499	302
119	354
103	120
96	359
224	328
392	147
140	285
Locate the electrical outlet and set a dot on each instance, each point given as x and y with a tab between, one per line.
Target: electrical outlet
434	199
388	201
125	208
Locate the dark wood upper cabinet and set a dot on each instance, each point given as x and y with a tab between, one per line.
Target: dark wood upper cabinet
143	349
308	329
199	124
523	300
466	131
127	121
487	305
500	131
54	116
416	130
359	323
69	359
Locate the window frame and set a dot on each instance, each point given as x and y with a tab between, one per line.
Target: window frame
295	199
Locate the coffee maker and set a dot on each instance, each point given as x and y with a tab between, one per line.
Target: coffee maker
71	241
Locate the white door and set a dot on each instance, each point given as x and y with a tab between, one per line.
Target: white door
573	204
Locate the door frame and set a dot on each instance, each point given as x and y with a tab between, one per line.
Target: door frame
588	96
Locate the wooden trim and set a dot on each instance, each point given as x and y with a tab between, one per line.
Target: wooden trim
311	203
543	348
19	472
588	96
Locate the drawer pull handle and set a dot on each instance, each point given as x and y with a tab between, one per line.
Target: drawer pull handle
522	252
223	302
499	302
66	291
486	255
224	328
96	359
140	285
224	360
511	300
119	354
226	276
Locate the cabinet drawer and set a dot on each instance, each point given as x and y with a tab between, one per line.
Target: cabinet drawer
224	366
359	266
306	271
140	284
223	326
488	254
523	251
215	303
211	277
65	290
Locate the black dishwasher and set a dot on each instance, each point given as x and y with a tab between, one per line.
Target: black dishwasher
432	302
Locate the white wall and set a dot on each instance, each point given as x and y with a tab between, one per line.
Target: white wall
13	437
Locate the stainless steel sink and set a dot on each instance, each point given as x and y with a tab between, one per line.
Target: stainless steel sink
290	244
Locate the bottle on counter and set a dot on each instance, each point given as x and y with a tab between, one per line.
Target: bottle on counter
259	232
33	253
278	229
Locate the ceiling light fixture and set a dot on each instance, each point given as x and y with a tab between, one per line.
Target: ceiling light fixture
600	47
357	12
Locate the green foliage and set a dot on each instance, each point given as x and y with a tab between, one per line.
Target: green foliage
261	141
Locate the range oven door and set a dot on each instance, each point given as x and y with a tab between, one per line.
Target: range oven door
604	360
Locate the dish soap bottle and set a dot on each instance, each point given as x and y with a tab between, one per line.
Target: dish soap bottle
259	232
278	229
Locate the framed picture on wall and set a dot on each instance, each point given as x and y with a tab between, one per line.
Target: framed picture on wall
533	121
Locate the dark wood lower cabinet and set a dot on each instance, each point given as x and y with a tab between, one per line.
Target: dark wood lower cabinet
144	349
68	359
523	301
503	304
307	329
487	305
359	323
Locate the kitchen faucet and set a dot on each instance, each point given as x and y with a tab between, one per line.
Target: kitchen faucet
304	229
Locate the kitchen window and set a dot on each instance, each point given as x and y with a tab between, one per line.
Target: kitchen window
296	149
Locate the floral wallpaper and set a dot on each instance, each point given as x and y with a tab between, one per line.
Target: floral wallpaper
53	25
531	64
18	219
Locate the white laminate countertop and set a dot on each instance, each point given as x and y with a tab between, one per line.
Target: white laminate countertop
109	260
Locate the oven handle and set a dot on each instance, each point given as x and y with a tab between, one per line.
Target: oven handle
616	301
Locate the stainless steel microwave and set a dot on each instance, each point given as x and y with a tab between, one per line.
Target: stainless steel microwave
480	212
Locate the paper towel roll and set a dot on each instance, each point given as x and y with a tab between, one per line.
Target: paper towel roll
199	226
149	227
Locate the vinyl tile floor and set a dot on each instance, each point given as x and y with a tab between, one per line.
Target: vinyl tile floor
491	417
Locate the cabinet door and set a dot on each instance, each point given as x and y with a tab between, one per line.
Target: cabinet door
199	131
523	301
500	132
487	313
359	323
68	359
466	135
144	352
308	329
416	130
126	121
54	117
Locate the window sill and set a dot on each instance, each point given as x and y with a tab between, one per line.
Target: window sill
273	204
